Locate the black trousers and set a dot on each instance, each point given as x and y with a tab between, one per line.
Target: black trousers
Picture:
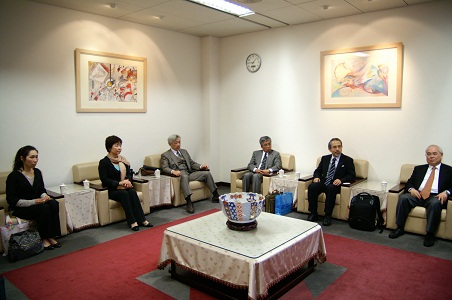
433	206
130	203
46	215
330	190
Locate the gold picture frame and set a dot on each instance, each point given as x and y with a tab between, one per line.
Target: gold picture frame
108	82
359	77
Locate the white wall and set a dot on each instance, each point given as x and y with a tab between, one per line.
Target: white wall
37	84
200	89
282	99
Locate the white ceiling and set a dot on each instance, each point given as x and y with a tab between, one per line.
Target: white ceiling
187	17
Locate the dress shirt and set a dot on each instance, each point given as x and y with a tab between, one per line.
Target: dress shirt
435	180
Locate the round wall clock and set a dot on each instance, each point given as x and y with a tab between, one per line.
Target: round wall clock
253	62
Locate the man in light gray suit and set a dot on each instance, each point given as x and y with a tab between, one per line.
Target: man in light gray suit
177	162
263	162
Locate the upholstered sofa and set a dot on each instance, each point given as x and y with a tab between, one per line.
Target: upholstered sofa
199	189
287	163
4	208
417	219
109	211
340	210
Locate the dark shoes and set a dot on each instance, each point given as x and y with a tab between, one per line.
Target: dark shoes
57	245
396	233
190	208
49	247
148	224
215	199
429	240
313	217
135	228
327	220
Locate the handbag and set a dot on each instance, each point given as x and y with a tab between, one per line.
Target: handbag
365	213
270	201
147	170
283	203
8	229
24	244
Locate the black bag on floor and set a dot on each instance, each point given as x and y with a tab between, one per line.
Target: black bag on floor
270	201
24	244
365	213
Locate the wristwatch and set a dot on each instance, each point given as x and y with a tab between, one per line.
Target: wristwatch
447	192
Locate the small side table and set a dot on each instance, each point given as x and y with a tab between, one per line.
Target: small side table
286	183
373	188
81	209
160	190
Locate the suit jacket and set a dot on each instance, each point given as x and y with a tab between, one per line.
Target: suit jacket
18	187
169	161
108	174
345	170
273	160
444	180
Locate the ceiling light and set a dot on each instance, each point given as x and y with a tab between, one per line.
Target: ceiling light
112	5
226	7
325	7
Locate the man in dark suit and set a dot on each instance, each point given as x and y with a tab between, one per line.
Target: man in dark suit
263	162
177	162
333	170
429	186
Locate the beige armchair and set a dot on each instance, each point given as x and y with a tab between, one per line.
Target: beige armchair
4	208
340	210
417	219
199	189
288	165
109	210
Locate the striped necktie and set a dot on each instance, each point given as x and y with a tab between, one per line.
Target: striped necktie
264	161
330	174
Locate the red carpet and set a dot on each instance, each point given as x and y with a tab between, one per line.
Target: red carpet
108	271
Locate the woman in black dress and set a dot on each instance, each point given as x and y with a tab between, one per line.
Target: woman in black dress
27	198
114	172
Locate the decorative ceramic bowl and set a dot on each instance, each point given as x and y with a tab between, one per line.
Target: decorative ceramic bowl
242	207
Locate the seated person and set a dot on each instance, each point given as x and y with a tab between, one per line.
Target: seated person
114	172
429	186
333	170
177	162
27	198
263	162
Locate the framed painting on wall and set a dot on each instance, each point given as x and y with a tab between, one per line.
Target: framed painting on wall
107	82
362	77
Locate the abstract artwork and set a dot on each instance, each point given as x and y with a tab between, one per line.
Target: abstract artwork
109	82
362	77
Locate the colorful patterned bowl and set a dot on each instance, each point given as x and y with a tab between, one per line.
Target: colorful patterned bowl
242	207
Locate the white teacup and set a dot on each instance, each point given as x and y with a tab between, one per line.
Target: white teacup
281	173
384	186
86	184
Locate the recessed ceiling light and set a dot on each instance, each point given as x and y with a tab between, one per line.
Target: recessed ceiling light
225	6
325	7
112	5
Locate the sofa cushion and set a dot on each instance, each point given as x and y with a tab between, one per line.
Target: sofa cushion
84	171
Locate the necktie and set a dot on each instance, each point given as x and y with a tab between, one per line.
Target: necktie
329	176
425	193
179	154
264	161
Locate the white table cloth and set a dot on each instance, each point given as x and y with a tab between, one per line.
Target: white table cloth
255	259
81	209
285	183
160	190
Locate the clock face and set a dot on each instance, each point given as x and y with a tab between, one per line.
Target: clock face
253	62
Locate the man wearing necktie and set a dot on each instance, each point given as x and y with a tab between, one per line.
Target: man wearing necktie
177	162
263	162
333	170
429	186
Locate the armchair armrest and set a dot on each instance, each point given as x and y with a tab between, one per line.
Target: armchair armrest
239	169
2	218
397	188
306	178
139	180
54	195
